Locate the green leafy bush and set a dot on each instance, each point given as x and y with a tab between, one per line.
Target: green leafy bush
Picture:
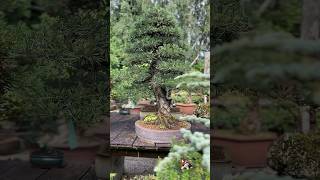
277	119
296	155
150	118
228	118
180	97
273	118
203	110
11	109
172	170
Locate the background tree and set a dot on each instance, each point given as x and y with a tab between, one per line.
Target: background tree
57	65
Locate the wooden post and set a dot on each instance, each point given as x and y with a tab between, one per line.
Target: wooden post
206	69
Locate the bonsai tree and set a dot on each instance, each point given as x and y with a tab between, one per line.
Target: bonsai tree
286	71
156	56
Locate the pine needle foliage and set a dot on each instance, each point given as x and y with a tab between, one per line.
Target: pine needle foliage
61	71
156	52
273	65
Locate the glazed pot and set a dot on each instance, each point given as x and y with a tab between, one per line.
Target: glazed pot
186	108
47	158
124	111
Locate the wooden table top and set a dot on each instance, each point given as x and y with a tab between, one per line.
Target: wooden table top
23	170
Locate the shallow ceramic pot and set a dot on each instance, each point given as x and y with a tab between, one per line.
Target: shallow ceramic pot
124	111
47	159
157	136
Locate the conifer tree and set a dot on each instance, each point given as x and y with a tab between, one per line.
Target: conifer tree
156	56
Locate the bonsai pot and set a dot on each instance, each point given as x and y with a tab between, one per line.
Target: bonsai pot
135	110
245	150
47	158
186	108
157	136
124	111
9	145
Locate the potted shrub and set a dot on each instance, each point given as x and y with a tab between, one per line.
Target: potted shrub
296	155
247	145
154	76
184	102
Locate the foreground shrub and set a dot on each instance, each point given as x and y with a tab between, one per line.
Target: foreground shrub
297	155
172	170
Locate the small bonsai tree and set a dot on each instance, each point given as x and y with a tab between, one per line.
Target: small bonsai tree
156	56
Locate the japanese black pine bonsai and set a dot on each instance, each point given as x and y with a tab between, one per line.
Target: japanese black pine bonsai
156	56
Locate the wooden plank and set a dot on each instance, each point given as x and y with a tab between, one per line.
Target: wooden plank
125	139
90	175
23	170
163	145
139	144
70	172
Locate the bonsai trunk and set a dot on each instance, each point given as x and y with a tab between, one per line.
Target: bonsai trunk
251	124
164	105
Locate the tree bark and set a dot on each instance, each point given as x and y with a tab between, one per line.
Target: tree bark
164	105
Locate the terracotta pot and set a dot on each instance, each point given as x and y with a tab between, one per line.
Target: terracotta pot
135	110
157	136
186	108
248	151
9	145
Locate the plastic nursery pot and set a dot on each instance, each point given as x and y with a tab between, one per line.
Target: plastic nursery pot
47	158
124	111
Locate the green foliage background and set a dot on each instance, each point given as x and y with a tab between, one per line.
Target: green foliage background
54	56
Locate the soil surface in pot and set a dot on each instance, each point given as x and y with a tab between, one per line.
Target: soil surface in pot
176	126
